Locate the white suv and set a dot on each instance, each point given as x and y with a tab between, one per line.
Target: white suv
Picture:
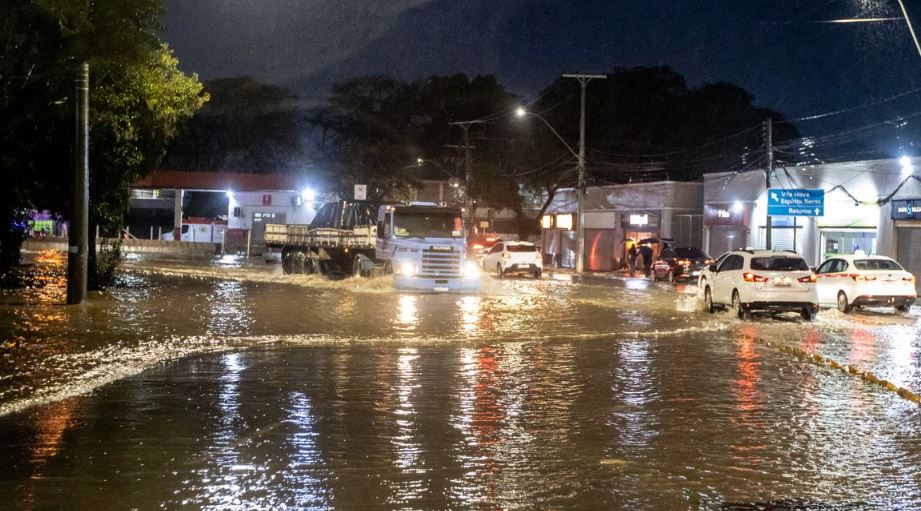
763	281
513	257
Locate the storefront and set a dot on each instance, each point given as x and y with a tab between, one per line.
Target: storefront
906	216
725	227
618	215
866	209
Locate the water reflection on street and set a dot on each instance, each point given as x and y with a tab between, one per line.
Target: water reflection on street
302	393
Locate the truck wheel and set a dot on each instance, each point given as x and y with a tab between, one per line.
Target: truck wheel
298	259
903	309
287	262
310	266
388	268
356	267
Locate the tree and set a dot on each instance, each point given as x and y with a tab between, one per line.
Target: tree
246	126
373	129
647	123
138	98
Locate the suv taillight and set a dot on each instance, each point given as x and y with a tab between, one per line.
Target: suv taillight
807	279
751	277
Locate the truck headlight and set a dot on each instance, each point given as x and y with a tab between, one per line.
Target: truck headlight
471	269
406	268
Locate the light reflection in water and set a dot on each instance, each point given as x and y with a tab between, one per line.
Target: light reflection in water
470	313
748	443
408	315
300	475
229	311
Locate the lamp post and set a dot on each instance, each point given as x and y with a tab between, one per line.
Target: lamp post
580	157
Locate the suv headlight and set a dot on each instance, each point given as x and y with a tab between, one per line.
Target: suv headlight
471	269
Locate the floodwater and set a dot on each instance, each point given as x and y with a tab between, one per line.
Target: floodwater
226	385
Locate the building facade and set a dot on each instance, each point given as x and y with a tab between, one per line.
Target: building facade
872	206
618	214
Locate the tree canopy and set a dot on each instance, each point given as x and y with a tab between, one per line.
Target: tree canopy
246	126
138	97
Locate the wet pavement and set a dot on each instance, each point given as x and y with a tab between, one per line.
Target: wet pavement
221	384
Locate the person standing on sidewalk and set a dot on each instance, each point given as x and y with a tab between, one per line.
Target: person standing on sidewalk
631	259
646	252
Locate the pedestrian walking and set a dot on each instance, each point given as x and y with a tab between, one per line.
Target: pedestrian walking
646	252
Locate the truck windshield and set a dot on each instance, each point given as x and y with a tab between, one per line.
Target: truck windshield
427	225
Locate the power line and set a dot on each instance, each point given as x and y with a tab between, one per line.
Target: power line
851	109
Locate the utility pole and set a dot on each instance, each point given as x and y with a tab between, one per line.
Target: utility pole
77	250
580	186
468	170
768	171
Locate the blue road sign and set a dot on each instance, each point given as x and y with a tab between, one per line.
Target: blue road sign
796	202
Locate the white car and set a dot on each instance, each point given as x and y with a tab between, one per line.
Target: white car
706	274
507	257
763	281
849	281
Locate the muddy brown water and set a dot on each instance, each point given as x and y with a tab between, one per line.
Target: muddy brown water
226	385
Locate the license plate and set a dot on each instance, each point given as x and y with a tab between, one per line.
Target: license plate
695	274
441	290
781	282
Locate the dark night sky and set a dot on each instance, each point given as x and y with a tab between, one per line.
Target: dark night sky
772	48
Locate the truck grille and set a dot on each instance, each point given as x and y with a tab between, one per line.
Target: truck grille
441	263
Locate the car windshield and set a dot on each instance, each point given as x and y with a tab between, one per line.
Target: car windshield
779	263
427	225
691	253
521	248
668	254
877	264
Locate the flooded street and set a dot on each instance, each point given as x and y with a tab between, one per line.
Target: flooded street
221	384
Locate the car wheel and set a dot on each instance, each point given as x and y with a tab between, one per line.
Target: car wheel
741	311
843	306
903	309
536	273
671	277
708	300
807	314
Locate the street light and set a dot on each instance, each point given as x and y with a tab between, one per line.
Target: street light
522	112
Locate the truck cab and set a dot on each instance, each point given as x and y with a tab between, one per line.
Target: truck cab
425	247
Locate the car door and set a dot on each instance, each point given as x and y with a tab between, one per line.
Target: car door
492	257
825	281
721	287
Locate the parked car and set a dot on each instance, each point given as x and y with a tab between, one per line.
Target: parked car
706	274
518	257
680	264
763	281
849	281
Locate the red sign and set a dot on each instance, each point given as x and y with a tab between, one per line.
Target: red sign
267	199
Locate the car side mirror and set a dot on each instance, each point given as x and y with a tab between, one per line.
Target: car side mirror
712	268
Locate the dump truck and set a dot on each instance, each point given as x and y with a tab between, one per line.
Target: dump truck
422	245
